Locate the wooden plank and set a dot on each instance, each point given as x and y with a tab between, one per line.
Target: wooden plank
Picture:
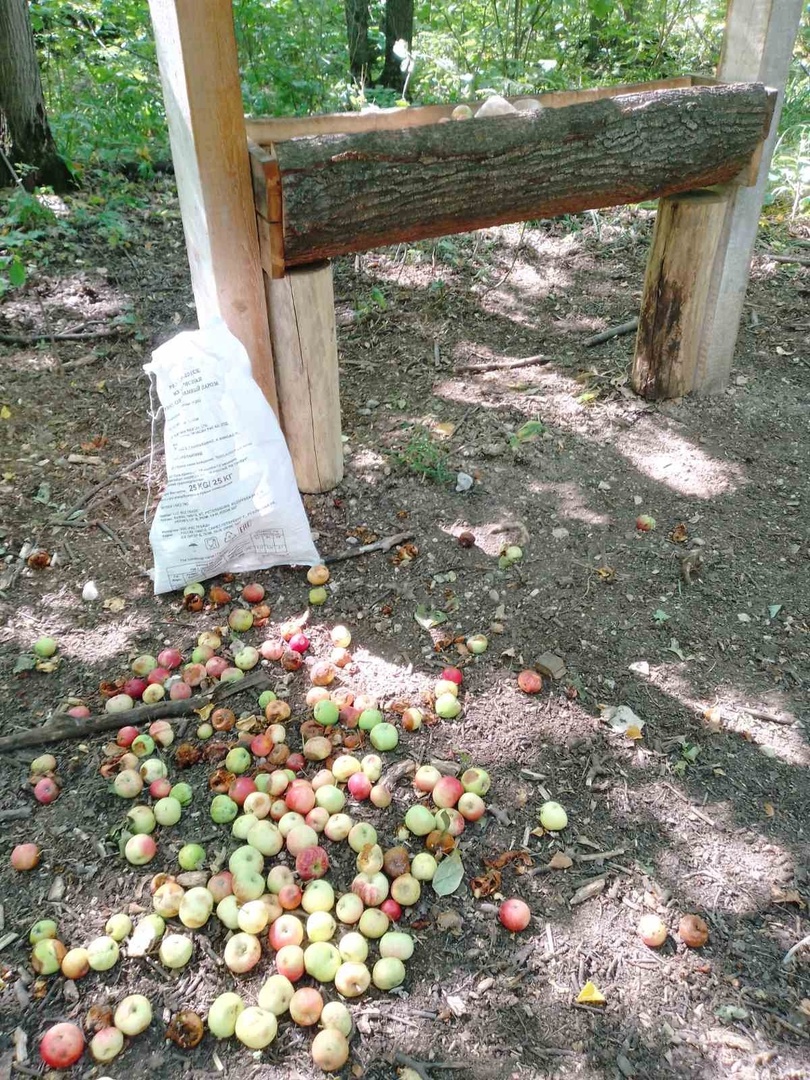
271	246
196	51
758	47
302	323
266	181
344	193
265	130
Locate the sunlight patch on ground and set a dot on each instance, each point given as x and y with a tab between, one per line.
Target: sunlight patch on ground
570	502
366	462
668	458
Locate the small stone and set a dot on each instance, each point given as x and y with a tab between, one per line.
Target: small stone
560	533
550	665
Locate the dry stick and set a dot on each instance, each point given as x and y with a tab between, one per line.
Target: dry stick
366	549
90	335
761	714
16	813
421	1068
800	259
62	726
794	949
690	804
85	499
614	331
526	361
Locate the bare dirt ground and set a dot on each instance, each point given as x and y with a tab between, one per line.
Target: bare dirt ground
707	813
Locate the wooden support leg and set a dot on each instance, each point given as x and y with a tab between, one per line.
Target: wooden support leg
302	327
196	50
698	269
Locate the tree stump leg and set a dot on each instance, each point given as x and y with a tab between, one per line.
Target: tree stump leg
302	328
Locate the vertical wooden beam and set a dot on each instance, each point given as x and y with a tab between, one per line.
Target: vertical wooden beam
691	351
302	325
196	50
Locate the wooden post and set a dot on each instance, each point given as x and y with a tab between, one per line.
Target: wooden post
704	263
302	326
196	49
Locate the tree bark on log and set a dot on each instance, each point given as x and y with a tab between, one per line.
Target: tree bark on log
22	108
353	192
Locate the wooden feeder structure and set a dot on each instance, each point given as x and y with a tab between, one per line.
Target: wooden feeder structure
267	202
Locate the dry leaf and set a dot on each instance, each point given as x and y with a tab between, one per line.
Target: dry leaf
560	861
769	810
487	884
786	896
606	573
449	920
114	604
680	534
500	861
445	429
205	711
590	994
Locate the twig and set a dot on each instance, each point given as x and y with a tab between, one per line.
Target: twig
422	1068
614	331
761	714
691	805
16	813
90	335
366	549
802	260
88	495
62	726
113	536
597	855
794	949
508	365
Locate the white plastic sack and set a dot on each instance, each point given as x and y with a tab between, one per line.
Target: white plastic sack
231	502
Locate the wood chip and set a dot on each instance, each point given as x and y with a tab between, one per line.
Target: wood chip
57	889
550	665
7	939
20	1040
587	892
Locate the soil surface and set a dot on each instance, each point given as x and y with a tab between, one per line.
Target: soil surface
701	626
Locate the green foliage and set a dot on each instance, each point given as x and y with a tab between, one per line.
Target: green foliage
422	456
103	90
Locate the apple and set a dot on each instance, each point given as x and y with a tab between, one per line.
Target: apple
289	896
228	911
215	666
223	809
246	857
223	1014
352	979
338	827
426	778
247	885
46	790
392	909
370	859
148	931
103	953
300	797
318	896
300	839
321	926
47	956
240	789
271	650
194	674
373	923
424	866
318	748
447	706
247	658
240	620
530	682
406	890
25	857
371	888
140	849
317	818
45	763
445	686
278	877
321	961
167	810
119	703
276	994
388	972
412	719
353	947
313	862
344	766
380	796
152	769
160	788
44	928
384	737
336	1017
645	523
652	931
133	1014
290	961
141	819
175	950
306	1006
258	804
167	898
191	856
514	914
471	806
255	1027
362	835
395	943
477	644
553	817
291	820
182	792
61	1046
196	907
75	964
220	885
264	838
349	908
447	791
253	916
286	930
238	760
106	1044
118	926
242	952
419	820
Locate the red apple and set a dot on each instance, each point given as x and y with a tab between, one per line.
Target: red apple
62	1046
645	523
312	862
453	674
240	789
530	682
299	642
46	790
514	914
135	688
126	735
25	856
253	593
169	658
359	786
392	909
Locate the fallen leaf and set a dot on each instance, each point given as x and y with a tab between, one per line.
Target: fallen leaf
457	1005
773	610
205	710
5	412
560	861
590	994
114	604
500	861
786	896
448	920
769	810
449	875
486	884
445	429
680	534
24	662
49	666
428	618
606	573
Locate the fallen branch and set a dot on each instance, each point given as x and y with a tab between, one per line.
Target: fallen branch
802	260
422	1068
89	335
762	714
88	495
16	813
614	331
526	361
794	949
689	803
366	549
61	726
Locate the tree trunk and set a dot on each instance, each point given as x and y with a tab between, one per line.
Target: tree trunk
27	138
398	27
357	37
344	193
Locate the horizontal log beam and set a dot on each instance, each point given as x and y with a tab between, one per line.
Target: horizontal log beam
353	192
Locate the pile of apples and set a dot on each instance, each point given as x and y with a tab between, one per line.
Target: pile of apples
289	909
